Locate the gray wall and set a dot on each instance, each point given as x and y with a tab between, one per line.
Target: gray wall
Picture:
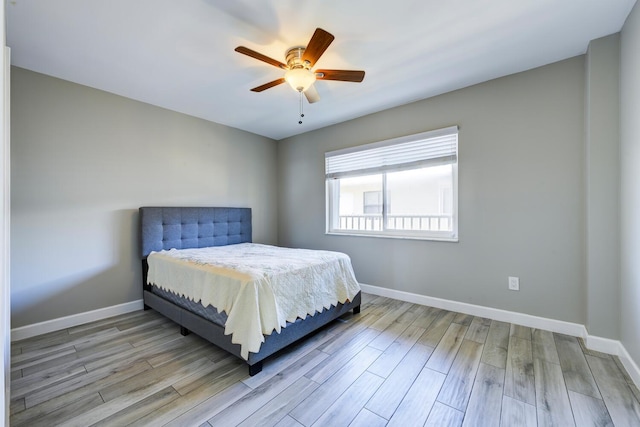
521	195
602	141
630	183
83	161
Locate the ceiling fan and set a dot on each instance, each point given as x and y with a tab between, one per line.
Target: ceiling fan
300	60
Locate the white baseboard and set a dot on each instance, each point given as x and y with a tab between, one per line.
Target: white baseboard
552	325
603	345
29	331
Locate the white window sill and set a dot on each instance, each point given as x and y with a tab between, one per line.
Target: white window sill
351	233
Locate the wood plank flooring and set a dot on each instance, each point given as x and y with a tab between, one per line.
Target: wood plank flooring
395	363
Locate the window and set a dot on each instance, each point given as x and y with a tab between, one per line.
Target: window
418	173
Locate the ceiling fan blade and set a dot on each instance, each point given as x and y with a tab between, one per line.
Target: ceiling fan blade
312	94
319	42
268	85
341	75
260	57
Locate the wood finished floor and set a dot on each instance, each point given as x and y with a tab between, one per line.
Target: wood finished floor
394	364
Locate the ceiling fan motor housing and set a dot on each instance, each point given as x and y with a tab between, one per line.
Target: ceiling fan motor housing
294	58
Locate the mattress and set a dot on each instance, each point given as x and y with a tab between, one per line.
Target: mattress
259	287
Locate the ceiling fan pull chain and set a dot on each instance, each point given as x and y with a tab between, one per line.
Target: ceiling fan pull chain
301	112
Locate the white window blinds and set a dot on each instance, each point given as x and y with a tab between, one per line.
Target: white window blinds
407	152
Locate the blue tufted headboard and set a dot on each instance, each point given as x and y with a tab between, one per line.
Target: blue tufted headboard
195	227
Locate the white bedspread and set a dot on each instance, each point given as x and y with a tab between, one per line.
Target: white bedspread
259	287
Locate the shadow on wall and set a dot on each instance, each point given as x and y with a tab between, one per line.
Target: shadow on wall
107	272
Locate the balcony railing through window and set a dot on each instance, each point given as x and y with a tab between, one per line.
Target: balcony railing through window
396	222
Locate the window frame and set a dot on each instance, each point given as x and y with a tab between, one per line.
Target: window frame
332	192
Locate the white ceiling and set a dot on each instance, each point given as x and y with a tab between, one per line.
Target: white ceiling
179	54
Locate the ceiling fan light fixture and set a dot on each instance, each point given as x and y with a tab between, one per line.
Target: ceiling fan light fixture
300	79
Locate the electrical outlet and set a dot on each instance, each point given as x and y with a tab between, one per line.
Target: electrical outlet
514	283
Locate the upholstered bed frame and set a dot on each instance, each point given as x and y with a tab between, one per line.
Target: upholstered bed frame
163	228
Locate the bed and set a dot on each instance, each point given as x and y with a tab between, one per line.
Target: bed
187	228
